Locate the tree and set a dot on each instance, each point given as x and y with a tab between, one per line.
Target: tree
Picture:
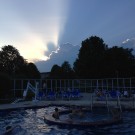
55	71
120	62
63	71
66	68
67	71
32	71
13	64
5	82
96	60
10	60
90	58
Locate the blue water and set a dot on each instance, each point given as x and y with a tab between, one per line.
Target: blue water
31	122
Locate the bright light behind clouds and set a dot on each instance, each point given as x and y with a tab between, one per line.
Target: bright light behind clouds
30	25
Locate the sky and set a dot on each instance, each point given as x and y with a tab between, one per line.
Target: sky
48	32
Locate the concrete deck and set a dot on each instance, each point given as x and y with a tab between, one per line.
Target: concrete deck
85	100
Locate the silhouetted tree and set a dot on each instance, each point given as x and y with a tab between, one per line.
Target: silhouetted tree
55	71
96	60
90	58
120	62
63	71
5	91
10	60
66	67
13	64
67	71
32	71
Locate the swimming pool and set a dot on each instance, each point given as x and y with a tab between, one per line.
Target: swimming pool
32	123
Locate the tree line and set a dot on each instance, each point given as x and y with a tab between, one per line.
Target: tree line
96	60
13	66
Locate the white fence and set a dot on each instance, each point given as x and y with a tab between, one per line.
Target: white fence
84	85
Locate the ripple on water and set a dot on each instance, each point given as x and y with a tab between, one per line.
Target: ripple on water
31	121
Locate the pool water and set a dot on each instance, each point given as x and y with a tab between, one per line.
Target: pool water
31	122
87	116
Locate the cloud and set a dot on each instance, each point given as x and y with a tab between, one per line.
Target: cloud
129	43
69	52
65	52
51	48
33	26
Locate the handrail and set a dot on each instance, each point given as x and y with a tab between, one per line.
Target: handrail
32	88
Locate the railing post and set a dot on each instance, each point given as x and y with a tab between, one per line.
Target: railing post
107	102
119	104
91	101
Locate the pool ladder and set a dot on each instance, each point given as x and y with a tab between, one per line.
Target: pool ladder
118	103
106	100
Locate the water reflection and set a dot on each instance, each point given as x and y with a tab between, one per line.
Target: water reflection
32	122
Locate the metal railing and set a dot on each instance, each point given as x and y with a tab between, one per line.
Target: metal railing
84	85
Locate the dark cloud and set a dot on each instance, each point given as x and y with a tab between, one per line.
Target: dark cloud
65	52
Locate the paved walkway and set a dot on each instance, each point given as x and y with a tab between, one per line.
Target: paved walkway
85	100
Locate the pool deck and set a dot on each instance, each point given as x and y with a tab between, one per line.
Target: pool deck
85	100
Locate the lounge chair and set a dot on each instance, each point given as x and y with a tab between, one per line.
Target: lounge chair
67	95
113	94
51	95
76	93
